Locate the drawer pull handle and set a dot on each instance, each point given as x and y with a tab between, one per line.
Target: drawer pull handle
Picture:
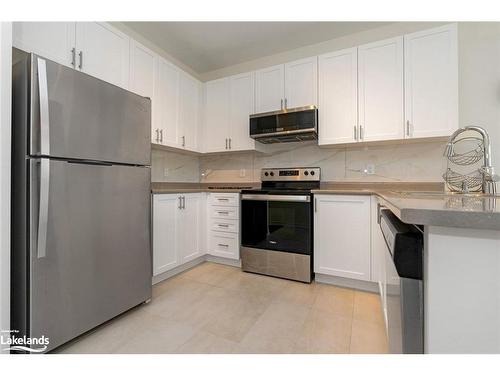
223	244
223	225
223	212
223	199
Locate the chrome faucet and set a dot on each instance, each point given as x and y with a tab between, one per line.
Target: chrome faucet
488	172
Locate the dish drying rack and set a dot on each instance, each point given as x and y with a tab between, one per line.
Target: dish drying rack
468	151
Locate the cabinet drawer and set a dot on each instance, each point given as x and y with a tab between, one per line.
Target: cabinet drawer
225	199
231	213
223	225
224	244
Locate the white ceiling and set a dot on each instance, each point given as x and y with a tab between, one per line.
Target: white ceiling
207	46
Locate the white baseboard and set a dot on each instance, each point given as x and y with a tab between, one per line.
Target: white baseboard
177	270
367	286
225	261
193	263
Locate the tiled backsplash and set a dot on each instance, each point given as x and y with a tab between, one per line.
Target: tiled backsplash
174	167
400	162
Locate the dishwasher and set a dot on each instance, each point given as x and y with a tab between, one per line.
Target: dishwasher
404	285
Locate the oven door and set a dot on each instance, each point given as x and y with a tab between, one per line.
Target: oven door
277	222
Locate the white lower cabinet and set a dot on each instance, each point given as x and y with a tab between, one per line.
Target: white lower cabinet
342	236
223	211
177	229
165	249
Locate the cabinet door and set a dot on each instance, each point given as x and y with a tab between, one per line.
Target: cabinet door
189	96
240	108
216	115
338	97
431	82
143	67
269	89
104	52
165	229
189	228
53	40
167	97
380	79
301	83
342	236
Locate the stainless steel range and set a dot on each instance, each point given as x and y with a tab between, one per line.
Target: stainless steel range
277	224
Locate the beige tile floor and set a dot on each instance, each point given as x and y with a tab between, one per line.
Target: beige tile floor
220	309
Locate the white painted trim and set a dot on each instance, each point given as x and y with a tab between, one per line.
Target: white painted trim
367	286
193	263
5	141
225	261
177	270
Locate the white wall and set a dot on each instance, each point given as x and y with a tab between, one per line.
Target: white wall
479	79
5	139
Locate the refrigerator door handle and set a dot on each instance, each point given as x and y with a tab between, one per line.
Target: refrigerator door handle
43	93
43	209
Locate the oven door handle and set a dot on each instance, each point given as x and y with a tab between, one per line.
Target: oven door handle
276	198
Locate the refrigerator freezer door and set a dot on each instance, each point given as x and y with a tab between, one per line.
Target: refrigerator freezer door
94	261
76	116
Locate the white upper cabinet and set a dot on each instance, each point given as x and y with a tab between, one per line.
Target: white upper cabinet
301	83
53	40
342	236
103	52
338	97
380	80
143	67
216	126
270	89
228	105
95	48
431	82
241	107
167	97
189	103
292	85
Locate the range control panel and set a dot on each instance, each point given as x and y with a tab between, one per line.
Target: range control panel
290	174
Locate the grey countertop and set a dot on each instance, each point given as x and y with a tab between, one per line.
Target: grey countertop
192	190
435	207
416	203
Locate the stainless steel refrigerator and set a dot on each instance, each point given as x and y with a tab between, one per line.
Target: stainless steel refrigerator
81	247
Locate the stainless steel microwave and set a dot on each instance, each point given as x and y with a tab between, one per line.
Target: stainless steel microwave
288	125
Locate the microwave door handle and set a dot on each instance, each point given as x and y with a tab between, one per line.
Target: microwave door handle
43	93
